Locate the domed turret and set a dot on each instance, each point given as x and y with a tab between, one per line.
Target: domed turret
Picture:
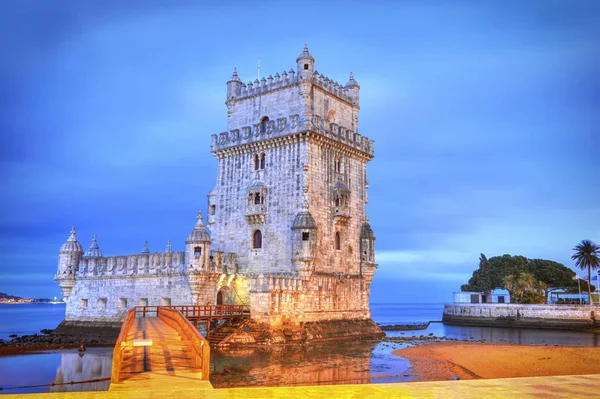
304	220
306	64
197	247
367	232
199	234
72	245
94	250
234	86
68	262
353	89
367	243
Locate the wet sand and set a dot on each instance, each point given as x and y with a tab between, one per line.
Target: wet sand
451	360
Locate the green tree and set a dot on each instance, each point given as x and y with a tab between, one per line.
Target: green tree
587	255
525	288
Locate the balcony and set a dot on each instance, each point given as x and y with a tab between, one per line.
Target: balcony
255	213
341	213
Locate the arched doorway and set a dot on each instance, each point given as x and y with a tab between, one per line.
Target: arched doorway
225	296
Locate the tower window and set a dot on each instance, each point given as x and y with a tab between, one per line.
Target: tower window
337	243
258	199
256	162
305	66
263	124
257	240
197	251
262	160
305	236
212	209
337	165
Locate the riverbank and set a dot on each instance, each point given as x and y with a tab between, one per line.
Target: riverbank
460	360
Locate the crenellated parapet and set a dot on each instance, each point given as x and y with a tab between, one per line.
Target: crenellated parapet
150	264
288	79
288	126
275	282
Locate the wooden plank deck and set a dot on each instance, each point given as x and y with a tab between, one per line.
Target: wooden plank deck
166	362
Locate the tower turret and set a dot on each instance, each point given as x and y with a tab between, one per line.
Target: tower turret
306	64
353	89
68	261
367	244
234	86
197	247
94	250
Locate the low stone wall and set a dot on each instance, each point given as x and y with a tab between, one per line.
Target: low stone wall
532	316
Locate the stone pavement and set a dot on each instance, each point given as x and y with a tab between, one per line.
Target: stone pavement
576	386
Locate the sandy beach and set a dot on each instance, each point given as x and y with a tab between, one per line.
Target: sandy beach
450	360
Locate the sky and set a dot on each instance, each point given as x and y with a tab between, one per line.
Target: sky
485	117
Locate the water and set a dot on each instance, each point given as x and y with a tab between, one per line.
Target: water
344	363
28	319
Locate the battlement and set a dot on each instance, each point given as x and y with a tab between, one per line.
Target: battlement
288	79
290	125
275	282
128	265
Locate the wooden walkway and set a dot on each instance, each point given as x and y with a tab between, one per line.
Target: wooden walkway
156	356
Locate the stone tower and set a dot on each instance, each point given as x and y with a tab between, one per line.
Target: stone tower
291	193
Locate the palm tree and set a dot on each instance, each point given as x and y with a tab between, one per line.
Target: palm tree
587	255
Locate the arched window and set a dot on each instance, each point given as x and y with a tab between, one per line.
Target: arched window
257	199
262	160
197	251
257	239
263	124
337	244
337	201
256	162
337	165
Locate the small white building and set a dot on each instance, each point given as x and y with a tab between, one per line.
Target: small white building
479	297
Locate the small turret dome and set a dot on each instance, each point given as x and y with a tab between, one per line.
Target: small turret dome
305	55
352	83
367	232
199	234
304	220
94	250
72	245
146	250
341	188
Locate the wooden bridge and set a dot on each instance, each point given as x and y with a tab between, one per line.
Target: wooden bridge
159	345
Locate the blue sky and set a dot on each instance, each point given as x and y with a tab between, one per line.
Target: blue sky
485	117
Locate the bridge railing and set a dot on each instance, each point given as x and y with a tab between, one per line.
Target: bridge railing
121	345
199	312
200	347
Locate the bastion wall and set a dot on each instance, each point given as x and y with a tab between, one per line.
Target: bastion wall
515	315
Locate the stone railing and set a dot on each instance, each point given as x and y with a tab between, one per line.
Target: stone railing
275	281
289	125
342	211
141	264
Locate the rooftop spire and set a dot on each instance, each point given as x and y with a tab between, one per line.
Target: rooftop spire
94	249
72	237
305	55
199	225
146	250
169	249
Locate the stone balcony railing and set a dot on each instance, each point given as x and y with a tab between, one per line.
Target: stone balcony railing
341	212
255	213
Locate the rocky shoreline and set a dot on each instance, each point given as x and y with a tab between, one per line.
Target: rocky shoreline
66	335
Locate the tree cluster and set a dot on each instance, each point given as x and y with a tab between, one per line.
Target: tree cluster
527	280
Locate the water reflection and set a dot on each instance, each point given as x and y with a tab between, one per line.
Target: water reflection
93	364
335	363
520	336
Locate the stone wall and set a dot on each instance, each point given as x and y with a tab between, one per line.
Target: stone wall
514	315
107	298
